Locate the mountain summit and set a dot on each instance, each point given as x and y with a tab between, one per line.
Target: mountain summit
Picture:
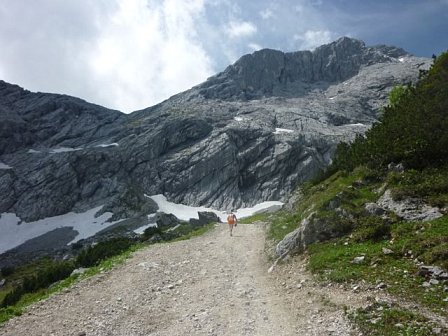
249	134
267	72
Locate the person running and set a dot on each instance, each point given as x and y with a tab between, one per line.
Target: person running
231	220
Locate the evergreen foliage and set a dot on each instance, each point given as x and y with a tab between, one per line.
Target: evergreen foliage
412	129
94	254
42	279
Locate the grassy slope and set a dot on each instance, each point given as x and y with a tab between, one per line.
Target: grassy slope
425	241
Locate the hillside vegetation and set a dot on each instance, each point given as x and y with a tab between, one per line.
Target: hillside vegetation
366	246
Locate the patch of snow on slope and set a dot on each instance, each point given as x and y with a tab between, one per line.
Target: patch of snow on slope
238	119
142	229
401	59
357	125
64	150
283	130
185	212
14	234
33	151
114	144
4	166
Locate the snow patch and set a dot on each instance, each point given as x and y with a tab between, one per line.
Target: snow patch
356	125
142	229
185	212
332	98
282	130
238	119
14	234
64	150
4	166
33	151
114	144
401	59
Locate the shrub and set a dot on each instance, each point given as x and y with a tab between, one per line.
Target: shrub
151	231
94	254
42	279
6	271
371	228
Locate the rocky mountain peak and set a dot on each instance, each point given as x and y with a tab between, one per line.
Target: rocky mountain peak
269	72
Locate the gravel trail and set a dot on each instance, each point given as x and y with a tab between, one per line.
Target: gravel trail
210	285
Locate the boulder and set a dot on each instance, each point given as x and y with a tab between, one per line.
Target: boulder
205	217
312	229
374	209
165	221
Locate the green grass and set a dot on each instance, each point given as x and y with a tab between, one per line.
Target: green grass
381	319
332	261
261	217
317	198
195	233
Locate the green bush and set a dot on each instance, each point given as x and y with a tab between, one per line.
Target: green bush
95	254
411	130
7	271
371	228
151	231
42	279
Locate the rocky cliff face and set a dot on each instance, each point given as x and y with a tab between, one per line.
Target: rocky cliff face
248	134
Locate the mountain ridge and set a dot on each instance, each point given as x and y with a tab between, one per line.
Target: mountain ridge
70	155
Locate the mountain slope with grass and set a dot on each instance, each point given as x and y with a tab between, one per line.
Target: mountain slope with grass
377	220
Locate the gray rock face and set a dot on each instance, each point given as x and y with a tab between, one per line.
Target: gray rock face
249	134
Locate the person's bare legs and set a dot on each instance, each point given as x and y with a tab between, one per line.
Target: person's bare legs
230	229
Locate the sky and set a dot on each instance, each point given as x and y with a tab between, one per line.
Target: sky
132	54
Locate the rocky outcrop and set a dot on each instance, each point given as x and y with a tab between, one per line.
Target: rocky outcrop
312	229
410	209
249	134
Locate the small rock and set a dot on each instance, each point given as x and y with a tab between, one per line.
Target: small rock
437	331
381	285
399	325
434	282
80	270
2	282
358	260
426	284
119	299
387	251
443	276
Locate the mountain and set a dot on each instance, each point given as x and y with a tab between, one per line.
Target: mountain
249	134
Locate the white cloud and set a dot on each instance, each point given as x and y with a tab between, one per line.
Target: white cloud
266	14
148	52
313	38
254	46
123	54
237	29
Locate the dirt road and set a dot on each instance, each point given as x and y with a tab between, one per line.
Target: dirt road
211	285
